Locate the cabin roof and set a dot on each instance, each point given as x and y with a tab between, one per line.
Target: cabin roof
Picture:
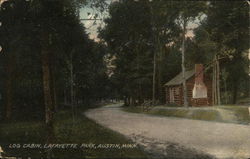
177	80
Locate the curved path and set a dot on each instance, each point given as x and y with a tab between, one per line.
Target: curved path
160	134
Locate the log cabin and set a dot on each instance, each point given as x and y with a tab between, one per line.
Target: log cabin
199	88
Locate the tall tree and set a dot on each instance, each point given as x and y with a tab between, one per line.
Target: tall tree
187	13
230	34
164	31
226	32
129	39
10	10
39	36
138	41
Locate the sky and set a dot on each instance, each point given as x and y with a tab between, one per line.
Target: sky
92	25
1	1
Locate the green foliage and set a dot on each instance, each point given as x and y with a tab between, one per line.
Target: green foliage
19	40
189	11
24	23
237	114
134	32
241	113
224	32
127	33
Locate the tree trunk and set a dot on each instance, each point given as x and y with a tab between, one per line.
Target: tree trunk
125	101
225	91
214	85
154	77
9	83
140	98
153	50
65	96
72	87
183	65
218	80
52	83
47	87
133	101
55	95
235	92
160	61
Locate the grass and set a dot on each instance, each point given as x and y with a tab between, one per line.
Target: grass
83	131
228	114
171	112
241	113
208	115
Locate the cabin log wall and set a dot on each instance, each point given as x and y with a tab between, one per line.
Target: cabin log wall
178	98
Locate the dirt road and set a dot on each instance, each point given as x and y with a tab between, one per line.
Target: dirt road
170	137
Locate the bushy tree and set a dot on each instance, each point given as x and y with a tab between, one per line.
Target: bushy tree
47	34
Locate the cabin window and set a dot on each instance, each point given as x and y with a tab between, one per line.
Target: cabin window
171	95
177	91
